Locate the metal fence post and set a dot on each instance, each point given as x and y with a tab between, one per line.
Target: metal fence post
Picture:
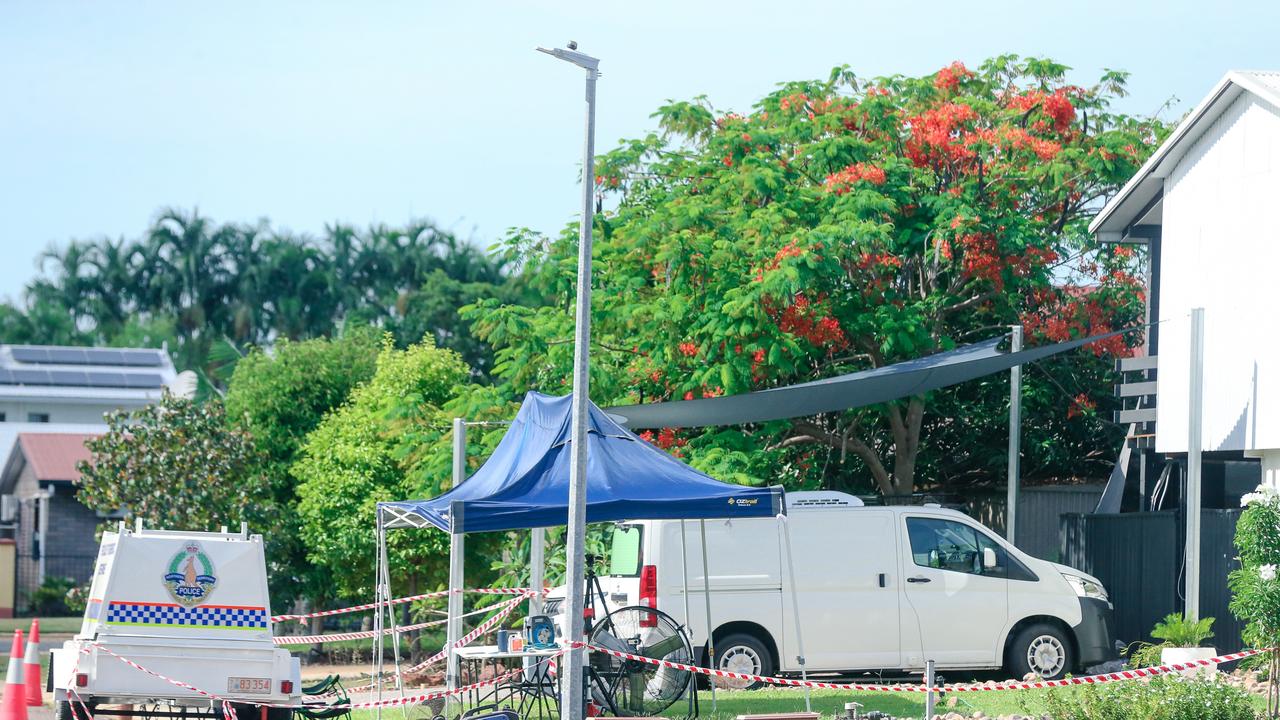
928	696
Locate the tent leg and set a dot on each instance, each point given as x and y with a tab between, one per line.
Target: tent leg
380	597
684	575
537	576
795	606
706	593
454	632
391	616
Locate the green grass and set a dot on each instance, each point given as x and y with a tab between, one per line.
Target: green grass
48	625
731	703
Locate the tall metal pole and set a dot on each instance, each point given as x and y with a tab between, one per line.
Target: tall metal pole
574	705
1015	438
457	556
1195	412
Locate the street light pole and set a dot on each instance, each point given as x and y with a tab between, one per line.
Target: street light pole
574	694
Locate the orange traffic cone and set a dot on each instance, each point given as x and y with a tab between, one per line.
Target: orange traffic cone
31	673
14	704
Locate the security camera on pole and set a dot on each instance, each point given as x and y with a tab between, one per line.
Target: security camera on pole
574	704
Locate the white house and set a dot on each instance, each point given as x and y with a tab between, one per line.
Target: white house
1207	204
53	399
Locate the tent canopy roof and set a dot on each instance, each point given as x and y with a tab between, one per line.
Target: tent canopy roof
525	483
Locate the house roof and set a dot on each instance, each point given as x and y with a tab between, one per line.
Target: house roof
54	456
1132	205
127	377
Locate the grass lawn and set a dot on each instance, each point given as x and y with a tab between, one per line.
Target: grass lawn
731	703
48	625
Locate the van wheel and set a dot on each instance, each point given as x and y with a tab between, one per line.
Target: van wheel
742	653
1041	649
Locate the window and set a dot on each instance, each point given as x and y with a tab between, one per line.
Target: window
624	551
38	417
954	546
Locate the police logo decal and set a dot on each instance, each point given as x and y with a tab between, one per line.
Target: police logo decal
190	576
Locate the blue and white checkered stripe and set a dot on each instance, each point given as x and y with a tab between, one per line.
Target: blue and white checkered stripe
166	615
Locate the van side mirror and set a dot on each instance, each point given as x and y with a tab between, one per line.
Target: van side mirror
988	558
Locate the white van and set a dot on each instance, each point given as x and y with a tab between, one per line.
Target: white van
877	588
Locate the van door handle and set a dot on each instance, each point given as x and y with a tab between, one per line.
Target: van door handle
882	580
918	579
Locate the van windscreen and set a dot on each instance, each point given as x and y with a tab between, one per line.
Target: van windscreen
624	551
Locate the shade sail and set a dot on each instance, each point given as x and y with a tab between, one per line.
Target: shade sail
843	392
525	483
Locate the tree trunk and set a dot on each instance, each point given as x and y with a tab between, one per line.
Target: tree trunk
904	423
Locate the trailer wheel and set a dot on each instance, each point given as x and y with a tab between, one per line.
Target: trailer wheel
246	711
62	710
742	653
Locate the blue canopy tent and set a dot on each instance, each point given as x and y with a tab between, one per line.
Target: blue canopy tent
525	485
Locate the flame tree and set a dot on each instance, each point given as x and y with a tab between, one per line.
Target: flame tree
840	225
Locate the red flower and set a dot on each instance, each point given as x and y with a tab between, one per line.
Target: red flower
950	76
841	181
688	349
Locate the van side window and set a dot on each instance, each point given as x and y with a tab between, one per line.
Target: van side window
954	546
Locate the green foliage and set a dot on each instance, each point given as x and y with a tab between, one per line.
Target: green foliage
1164	697
176	465
50	599
1255	588
279	398
847	224
1177	631
360	455
194	283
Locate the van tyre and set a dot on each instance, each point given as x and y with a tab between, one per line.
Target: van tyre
1042	650
742	653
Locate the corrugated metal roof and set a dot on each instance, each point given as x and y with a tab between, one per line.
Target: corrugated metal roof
1146	184
54	456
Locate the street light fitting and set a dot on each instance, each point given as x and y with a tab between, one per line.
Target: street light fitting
582	60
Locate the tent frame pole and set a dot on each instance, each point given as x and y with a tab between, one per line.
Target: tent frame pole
795	606
457	560
380	600
537	578
706	594
391	613
688	620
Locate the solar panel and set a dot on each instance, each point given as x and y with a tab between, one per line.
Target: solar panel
31	377
143	380
31	354
141	358
81	378
88	356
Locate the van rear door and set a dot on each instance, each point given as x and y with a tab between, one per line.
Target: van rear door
846	586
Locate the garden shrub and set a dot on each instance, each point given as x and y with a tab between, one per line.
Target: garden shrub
1165	697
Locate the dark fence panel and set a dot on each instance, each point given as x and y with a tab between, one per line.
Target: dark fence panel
1039	509
1136	556
1139	558
1217	560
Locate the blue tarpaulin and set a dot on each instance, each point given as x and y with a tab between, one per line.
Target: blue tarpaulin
525	483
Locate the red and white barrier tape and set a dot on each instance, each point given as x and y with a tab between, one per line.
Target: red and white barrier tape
390	702
905	687
481	629
364	634
401	601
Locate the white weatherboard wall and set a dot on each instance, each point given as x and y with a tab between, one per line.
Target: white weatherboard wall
1221	251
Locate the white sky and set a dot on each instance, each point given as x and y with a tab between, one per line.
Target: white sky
310	112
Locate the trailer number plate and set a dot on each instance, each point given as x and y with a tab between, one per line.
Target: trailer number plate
249	685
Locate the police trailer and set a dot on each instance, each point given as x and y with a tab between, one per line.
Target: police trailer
188	606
